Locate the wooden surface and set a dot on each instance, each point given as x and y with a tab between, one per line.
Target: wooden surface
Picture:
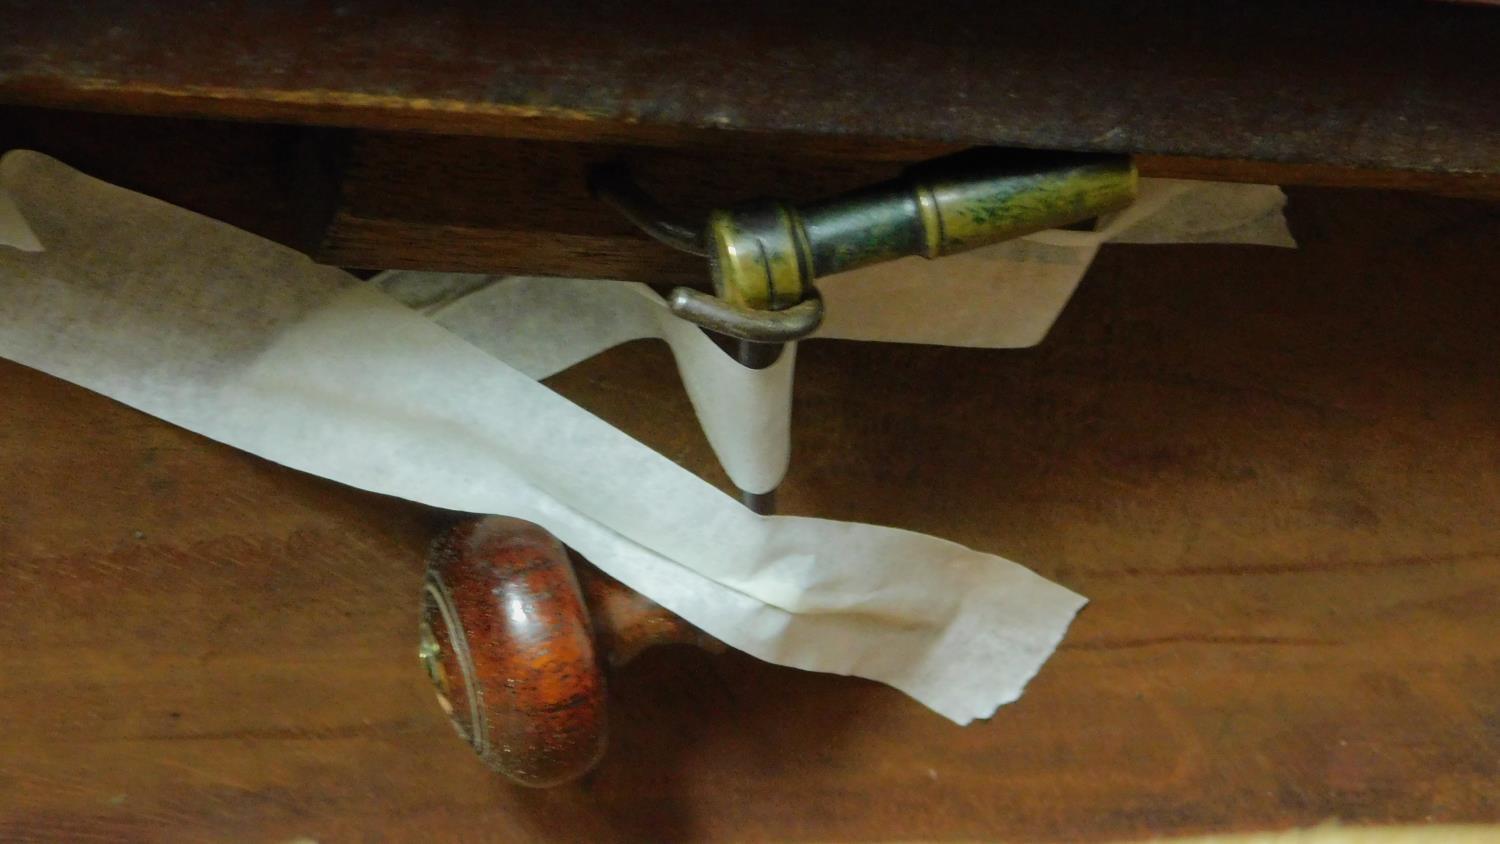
1405	86
1276	474
274	181
385	200
414	201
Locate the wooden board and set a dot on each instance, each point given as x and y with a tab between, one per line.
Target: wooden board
1391	86
1276	474
494	205
383	200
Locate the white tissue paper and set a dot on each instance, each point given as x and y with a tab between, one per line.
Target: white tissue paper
252	344
542	326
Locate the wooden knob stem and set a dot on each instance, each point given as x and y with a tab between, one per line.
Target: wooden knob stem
515	634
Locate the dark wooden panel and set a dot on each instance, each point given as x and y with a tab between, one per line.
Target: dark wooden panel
417	201
1469	185
280	182
492	205
410	200
1405	86
1275	473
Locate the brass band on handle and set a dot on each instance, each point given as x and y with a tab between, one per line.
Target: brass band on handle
939	208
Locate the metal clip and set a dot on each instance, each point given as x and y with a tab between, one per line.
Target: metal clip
757	326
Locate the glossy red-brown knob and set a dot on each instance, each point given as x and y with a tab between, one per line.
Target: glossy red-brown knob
515	638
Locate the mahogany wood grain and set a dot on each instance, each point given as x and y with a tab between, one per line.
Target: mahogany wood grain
1275	474
515	663
1388	86
516	633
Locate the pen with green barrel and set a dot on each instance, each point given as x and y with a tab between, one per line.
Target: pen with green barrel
764	255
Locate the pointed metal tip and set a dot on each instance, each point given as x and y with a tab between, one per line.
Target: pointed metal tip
763	503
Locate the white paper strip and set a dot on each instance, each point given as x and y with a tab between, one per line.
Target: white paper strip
543	326
250	343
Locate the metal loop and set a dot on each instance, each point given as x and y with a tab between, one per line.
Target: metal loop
612	184
757	326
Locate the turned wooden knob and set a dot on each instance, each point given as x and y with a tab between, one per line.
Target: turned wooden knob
516	635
